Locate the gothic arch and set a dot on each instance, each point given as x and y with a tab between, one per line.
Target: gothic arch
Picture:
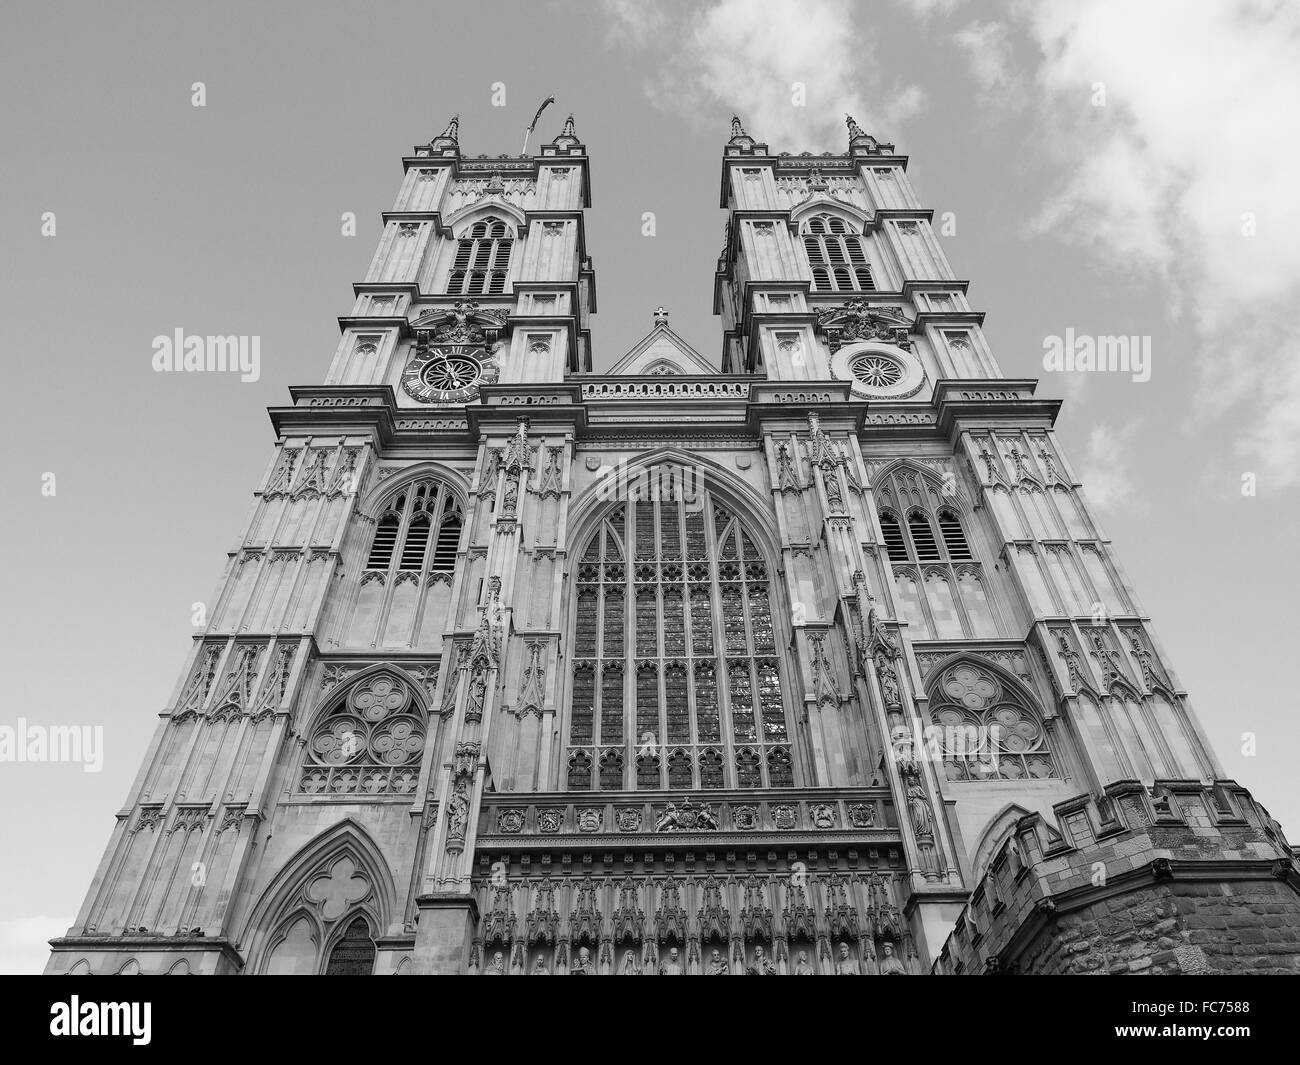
588	509
1004	675
995	834
854	218
388	725
958	499
371	504
332	698
282	902
463	220
1029	750
737	671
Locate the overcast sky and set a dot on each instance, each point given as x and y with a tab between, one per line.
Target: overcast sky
1169	211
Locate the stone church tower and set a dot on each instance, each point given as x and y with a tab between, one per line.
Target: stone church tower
811	661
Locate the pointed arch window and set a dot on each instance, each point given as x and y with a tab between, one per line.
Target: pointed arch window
673	606
370	743
354	952
940	582
838	258
482	259
987	729
404	592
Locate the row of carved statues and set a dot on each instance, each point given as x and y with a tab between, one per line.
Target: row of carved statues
649	961
794	906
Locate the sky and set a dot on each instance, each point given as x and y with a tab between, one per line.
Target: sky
1110	167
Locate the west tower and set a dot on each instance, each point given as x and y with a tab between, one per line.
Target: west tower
799	663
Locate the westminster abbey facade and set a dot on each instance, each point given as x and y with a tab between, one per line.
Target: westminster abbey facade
809	660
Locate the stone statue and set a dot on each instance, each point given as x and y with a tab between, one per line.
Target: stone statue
539	966
457	815
762	965
890	965
496	967
845	965
667	819
583	966
477	694
717	967
802	966
673	966
630	967
833	495
918	808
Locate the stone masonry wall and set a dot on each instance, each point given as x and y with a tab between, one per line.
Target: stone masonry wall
1181	878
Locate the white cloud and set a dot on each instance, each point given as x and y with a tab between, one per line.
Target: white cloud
24	942
1200	97
737	55
988	48
1105	467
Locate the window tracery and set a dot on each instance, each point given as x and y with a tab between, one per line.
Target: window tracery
676	679
986	729
370	743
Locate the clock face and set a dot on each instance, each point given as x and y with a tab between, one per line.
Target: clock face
445	373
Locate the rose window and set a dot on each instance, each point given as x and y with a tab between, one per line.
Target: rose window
372	743
985	730
875	370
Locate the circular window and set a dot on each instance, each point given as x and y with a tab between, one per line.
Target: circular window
879	371
875	370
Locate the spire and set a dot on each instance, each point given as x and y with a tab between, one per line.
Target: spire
567	135
860	138
449	137
738	134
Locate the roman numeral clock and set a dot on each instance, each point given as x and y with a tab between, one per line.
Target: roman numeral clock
454	354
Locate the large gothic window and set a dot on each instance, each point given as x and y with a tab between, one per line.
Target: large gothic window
371	743
985	729
838	258
676	678
941	585
482	259
405	589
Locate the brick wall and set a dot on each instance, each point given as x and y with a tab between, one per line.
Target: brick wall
1179	878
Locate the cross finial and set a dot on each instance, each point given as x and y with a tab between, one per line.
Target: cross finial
661	315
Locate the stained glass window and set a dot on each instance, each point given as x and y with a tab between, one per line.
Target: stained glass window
354	953
693	585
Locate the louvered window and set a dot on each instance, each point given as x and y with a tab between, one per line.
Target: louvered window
940	584
954	539
927	550
838	259
397	603
482	260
